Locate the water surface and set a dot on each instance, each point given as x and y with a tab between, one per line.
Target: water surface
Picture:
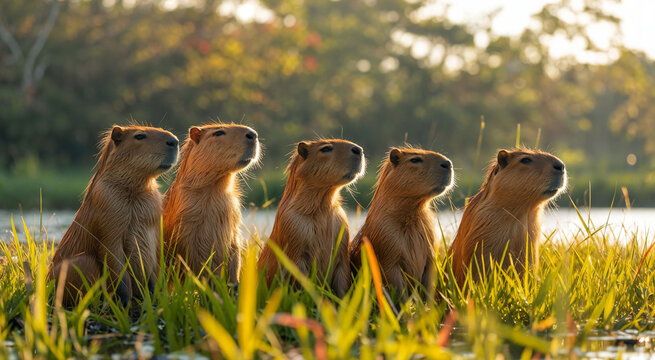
564	223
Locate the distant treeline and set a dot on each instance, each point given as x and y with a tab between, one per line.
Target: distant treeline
379	73
264	191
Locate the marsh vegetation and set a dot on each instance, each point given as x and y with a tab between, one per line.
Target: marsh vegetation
589	297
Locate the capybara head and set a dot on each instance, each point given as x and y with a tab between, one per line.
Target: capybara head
328	162
417	173
526	176
140	149
221	148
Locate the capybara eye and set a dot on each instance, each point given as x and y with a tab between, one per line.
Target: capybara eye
326	149
526	160
416	160
140	136
219	133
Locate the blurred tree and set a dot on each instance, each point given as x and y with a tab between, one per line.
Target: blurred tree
379	72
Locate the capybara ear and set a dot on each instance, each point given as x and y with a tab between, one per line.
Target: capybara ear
116	134
503	158
303	149
394	156
194	134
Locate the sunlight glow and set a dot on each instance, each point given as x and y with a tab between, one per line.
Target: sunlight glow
637	25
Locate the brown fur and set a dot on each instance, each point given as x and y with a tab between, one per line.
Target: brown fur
310	215
202	212
400	222
508	207
119	219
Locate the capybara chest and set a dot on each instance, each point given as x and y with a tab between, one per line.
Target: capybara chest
217	221
323	237
418	247
140	233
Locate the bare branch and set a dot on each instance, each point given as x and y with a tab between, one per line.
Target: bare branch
40	68
8	38
28	72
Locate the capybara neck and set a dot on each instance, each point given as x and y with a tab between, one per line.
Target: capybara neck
310	198
222	183
210	179
128	183
385	200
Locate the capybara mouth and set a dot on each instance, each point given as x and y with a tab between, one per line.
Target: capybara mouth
441	188
249	157
446	182
556	186
245	161
169	160
551	192
350	176
356	170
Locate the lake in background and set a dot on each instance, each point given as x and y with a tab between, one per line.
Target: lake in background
563	223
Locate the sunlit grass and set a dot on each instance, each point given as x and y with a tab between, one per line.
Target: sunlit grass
585	282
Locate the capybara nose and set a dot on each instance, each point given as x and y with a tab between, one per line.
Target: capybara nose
559	166
356	150
172	142
251	135
447	164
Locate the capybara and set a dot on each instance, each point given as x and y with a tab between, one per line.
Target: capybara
202	209
120	217
310	215
400	222
506	212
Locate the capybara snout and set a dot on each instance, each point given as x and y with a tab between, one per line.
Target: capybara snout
559	179
357	164
251	152
444	176
172	150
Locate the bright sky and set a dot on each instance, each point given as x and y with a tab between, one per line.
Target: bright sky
637	26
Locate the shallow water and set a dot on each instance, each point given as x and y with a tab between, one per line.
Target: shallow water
565	223
627	344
